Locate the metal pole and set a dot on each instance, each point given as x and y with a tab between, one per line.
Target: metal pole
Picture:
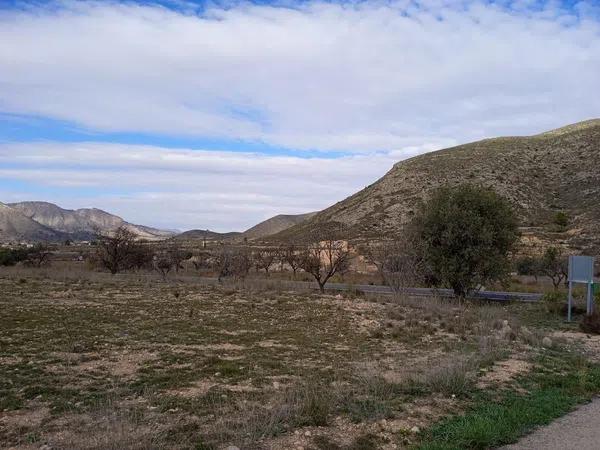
570	300
590	299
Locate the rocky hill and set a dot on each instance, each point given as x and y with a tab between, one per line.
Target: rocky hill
542	175
199	235
276	224
16	227
81	224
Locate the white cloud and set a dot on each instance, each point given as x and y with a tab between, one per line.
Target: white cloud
362	76
186	188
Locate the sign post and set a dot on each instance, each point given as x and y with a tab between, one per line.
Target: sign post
581	270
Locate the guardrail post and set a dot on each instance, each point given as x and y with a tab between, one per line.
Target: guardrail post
570	301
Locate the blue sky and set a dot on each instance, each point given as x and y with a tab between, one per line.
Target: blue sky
193	115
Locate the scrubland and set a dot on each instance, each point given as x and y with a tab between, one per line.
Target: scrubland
93	361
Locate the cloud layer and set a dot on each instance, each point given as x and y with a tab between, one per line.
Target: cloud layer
358	76
380	80
186	188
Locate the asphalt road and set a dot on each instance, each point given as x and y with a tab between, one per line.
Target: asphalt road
579	430
417	292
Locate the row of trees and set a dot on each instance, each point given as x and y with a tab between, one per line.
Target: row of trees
322	258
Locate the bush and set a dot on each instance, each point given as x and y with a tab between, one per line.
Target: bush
10	256
554	302
527	265
591	323
452	378
561	219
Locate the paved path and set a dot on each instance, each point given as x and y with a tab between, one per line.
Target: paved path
579	430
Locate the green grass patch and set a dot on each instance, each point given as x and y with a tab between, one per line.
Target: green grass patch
501	418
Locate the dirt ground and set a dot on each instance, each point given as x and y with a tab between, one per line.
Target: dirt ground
131	362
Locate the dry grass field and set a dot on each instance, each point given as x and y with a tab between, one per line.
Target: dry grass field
90	361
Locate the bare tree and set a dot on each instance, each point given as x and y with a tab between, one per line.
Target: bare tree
201	259
554	265
398	261
232	262
114	251
39	255
290	255
324	258
141	257
177	255
265	258
163	264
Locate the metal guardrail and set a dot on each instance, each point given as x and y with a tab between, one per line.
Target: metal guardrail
425	292
499	296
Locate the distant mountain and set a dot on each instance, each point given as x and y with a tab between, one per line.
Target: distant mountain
193	235
276	224
557	171
80	224
16	227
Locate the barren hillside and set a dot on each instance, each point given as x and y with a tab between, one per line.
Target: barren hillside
276	224
541	175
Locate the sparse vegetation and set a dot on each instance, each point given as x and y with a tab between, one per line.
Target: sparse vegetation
561	219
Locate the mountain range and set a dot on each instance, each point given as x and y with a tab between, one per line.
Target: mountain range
43	221
557	172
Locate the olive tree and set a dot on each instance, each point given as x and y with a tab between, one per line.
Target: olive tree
466	234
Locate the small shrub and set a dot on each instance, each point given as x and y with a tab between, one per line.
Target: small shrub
453	378
367	441
313	405
561	219
527	265
554	302
591	323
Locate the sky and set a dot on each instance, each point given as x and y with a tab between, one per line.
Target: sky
193	115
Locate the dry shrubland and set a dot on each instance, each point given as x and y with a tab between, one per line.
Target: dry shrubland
90	360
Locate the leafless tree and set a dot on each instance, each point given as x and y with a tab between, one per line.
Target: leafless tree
141	257
554	265
232	262
39	255
201	259
398	261
177	255
324	258
163	264
114	250
265	258
290	254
